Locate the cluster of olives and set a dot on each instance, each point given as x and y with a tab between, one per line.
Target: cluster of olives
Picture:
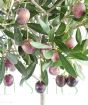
60	81
70	81
23	16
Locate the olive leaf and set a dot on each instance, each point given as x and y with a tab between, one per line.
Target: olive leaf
2	69
67	65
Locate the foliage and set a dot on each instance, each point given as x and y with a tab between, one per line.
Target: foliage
50	24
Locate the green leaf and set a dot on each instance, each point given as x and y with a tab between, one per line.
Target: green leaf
1	19
20	51
47	2
79	70
20	67
9	44
17	36
34	58
12	58
44	26
30	69
39	45
46	65
56	21
56	64
79	47
85	52
86	1
51	35
9	34
48	54
79	56
63	10
78	36
36	27
2	70
45	77
68	67
61	45
61	29
26	58
4	1
32	9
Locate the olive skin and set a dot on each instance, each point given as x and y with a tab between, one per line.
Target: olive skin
40	87
60	80
8	80
78	10
23	16
71	81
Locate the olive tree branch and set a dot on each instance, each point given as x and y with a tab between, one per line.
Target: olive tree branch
55	5
33	1
85	22
80	24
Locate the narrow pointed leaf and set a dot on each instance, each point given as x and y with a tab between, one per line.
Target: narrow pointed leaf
20	67
39	45
44	26
61	29
2	70
78	36
30	69
68	67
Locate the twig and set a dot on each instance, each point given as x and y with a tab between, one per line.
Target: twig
80	24
35	77
33	1
53	7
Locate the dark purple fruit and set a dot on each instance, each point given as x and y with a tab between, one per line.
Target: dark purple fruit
23	16
60	80
71	81
40	87
8	80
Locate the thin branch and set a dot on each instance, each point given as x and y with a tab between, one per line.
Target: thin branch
80	24
53	7
35	77
33	1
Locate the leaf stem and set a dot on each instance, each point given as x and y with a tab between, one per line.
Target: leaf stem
35	77
41	68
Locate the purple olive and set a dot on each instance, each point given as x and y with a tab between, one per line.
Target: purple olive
78	10
71	81
7	63
70	42
40	87
23	16
27	47
8	80
54	70
55	57
60	80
